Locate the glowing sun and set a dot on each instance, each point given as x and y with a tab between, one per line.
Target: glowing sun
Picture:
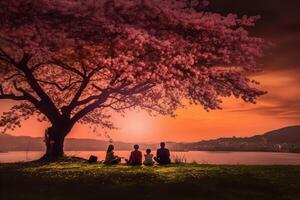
136	123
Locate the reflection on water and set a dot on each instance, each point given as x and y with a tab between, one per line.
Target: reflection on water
201	157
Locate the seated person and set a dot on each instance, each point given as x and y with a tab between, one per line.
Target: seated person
110	158
162	155
135	156
148	158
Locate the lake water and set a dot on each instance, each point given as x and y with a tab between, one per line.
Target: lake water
201	157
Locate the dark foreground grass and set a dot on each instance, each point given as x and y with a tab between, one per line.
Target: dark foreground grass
79	180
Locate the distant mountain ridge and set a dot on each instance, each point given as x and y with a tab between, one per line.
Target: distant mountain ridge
289	134
286	139
27	143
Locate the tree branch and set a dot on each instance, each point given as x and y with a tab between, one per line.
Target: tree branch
12	97
1	90
12	76
102	98
74	101
7	58
36	66
86	79
61	88
26	95
67	67
49	106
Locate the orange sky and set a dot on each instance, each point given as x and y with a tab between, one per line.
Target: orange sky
278	108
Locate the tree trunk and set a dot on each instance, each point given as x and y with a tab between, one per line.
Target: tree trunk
54	140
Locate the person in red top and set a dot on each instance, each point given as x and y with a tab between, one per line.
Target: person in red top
135	156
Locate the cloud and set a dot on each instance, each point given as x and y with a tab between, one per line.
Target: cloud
283	98
284	111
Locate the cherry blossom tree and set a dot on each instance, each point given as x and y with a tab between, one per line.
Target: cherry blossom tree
75	61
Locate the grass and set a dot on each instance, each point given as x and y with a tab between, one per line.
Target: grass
176	159
80	180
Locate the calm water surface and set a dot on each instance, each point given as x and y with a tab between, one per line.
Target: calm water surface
201	157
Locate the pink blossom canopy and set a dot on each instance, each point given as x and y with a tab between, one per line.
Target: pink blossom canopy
75	60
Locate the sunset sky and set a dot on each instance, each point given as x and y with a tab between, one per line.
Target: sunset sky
280	24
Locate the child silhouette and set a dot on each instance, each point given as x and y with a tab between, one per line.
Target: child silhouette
148	158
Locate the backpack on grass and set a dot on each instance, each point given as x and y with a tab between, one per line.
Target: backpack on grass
93	159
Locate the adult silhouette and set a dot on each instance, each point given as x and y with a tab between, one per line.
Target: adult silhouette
135	156
162	155
110	158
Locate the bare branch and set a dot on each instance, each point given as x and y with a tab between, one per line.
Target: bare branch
36	66
25	96
1	90
61	88
97	69
83	67
49	107
82	87
67	67
122	107
97	87
102	98
74	101
7	58
95	97
12	76
12	97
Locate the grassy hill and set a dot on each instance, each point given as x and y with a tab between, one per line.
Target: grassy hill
79	180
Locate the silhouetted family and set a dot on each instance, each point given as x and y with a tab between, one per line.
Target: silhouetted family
135	158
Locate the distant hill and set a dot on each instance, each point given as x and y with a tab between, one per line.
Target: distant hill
289	134
26	143
20	143
285	139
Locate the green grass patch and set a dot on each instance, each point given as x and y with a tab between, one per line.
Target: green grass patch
80	180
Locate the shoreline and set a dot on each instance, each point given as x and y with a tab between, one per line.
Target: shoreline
217	151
